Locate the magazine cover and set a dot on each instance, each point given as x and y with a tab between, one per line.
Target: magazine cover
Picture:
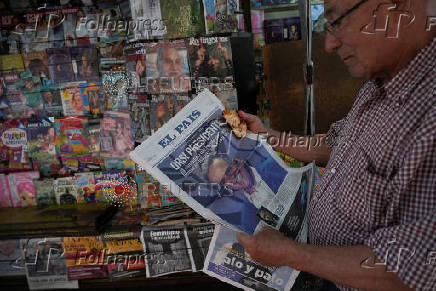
52	100
135	55
210	59
85	185
72	101
41	139
34	34
56	36
15	97
45	264
228	261
65	190
199	237
12	63
209	15
225	18
93	136
59	65
11	258
85	63
45	195
167	67
84	257
13	144
70	136
4	192
111	186
226	93
237	182
86	34
125	254
166	250
37	64
139	108
111	56
21	188
115	86
162	108
181	18
110	33
115	135
90	93
69	26
30	87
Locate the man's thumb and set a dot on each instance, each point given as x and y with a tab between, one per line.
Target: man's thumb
243	238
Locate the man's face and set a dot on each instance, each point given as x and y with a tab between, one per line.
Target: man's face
48	96
365	55
172	65
235	176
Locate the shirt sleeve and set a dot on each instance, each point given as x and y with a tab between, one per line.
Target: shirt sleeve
408	246
332	134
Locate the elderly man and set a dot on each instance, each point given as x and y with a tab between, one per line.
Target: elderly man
372	219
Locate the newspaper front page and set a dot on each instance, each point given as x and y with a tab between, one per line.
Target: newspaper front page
239	183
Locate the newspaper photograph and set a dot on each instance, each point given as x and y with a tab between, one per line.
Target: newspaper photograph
239	183
228	262
199	237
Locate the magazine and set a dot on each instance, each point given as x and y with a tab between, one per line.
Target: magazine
115	86
12	63
37	64
71	136
85	63
41	139
181	18
229	262
69	26
51	97
22	190
199	237
45	195
226	93
139	108
115	135
13	145
74	103
240	183
59	65
86	34
209	15
5	198
161	110
84	257
65	190
111	185
166	250
11	262
135	55
90	93
30	88
45	264
111	56
85	185
167	67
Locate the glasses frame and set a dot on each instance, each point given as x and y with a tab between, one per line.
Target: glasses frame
332	27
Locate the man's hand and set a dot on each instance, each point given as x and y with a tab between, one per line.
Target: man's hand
268	247
253	122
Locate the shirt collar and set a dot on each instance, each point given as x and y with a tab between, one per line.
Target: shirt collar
400	87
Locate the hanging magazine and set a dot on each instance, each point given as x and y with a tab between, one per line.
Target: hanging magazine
241	183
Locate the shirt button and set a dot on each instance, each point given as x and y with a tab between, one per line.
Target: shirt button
333	170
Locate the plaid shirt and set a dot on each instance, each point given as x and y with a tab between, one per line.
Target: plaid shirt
379	187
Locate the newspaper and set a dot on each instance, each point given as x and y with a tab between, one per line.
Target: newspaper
239	183
198	239
228	261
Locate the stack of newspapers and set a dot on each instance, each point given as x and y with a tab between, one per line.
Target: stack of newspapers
240	184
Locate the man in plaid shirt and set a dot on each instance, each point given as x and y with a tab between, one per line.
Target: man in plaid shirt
372	218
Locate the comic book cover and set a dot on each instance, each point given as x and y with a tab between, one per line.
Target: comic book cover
198	239
22	190
41	139
210	60
167	67
125	254
135	55
70	136
4	192
85	185
65	190
115	135
11	262
110	184
45	194
69	26
112	57
74	103
52	100
37	64
90	93
13	145
115	86
50	270
12	63
86	34
139	108
59	65
166	250
85	63
209	15
84	257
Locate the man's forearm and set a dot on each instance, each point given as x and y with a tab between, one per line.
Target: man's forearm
302	148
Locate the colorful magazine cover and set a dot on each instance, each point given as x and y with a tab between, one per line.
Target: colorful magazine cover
85	185
125	254
65	190
110	184
115	135
50	270
84	257
59	65
13	144
15	97
11	258
30	87
112	57
74	103
12	63
166	250
45	194
135	54
41	139
52	100
90	92
85	63
93	130
22	190
167	67
115	86
5	195
37	64
139	108
199	237
70	136
209	15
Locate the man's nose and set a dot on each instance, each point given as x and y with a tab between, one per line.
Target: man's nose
332	43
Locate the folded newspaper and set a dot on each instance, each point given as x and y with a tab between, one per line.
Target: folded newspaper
239	183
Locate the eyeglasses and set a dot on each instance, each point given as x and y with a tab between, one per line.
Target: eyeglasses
333	27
